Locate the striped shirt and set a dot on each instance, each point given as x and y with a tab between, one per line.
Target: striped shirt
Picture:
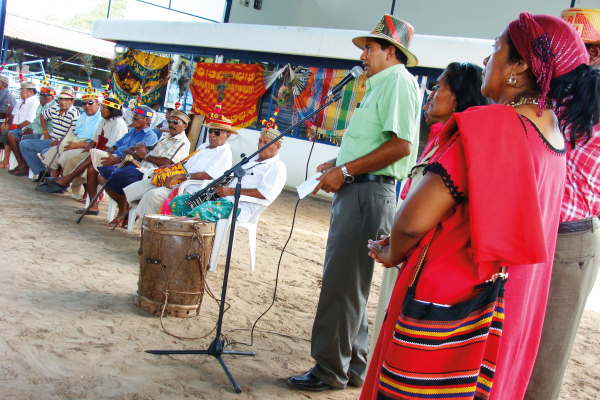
60	123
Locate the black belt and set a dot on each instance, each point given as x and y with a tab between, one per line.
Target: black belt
578	226
362	178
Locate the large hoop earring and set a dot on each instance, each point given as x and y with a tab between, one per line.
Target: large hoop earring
512	80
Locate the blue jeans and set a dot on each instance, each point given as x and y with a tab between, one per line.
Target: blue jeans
30	150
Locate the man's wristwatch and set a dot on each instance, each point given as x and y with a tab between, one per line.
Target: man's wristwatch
347	177
188	176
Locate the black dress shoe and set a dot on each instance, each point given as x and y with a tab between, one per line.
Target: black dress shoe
308	382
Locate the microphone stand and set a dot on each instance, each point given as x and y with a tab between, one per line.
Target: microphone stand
215	348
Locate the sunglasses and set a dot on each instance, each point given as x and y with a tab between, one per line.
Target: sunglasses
88	103
215	131
45	94
135	118
174	122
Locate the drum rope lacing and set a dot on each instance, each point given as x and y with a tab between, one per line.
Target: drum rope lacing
204	288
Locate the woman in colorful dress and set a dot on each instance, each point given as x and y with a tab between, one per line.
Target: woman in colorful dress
458	88
490	198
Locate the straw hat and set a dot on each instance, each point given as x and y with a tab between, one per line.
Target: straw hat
4	79
66	92
270	129
586	21
217	121
181	115
27	85
394	30
222	123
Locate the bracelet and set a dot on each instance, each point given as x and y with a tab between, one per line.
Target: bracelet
44	131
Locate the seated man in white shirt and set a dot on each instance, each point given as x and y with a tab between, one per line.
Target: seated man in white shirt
210	161
265	178
21	116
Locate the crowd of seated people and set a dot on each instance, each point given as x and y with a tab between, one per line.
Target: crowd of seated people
68	149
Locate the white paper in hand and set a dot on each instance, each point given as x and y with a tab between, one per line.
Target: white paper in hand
308	186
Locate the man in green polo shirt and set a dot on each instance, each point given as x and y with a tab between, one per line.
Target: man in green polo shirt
378	148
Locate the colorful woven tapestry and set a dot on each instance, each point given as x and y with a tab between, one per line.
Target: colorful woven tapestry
333	121
136	68
237	86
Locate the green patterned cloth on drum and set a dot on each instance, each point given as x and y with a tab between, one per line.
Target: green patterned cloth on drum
211	211
178	205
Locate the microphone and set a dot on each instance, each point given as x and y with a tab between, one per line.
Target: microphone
352	75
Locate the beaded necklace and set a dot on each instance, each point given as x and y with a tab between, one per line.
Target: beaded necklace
549	104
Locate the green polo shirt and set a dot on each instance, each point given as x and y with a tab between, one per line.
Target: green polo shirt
390	104
36	126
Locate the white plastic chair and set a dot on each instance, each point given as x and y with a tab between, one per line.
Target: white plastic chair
223	225
133	205
222	232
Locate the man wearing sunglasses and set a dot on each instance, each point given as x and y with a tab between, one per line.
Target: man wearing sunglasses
76	139
64	117
210	161
173	147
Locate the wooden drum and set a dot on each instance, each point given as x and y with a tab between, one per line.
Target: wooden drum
174	255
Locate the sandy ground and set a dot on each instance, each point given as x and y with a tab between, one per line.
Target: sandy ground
69	329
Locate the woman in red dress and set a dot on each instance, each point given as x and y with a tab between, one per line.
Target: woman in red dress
490	198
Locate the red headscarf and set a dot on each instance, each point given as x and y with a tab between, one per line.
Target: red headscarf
549	45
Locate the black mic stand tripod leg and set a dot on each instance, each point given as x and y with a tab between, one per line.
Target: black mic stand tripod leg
215	348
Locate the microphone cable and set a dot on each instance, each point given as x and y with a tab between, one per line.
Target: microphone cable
227	342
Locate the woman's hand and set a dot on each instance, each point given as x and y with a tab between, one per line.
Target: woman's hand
379	250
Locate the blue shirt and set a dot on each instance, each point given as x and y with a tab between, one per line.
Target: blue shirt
86	125
146	136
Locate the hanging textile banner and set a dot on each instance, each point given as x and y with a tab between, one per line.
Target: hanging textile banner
136	68
237	86
333	121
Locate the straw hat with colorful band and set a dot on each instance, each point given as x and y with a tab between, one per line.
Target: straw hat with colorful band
144	111
221	123
66	92
111	104
394	30
586	21
181	115
270	129
27	85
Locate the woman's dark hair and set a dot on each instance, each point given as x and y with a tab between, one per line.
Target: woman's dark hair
577	96
465	81
114	113
400	56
